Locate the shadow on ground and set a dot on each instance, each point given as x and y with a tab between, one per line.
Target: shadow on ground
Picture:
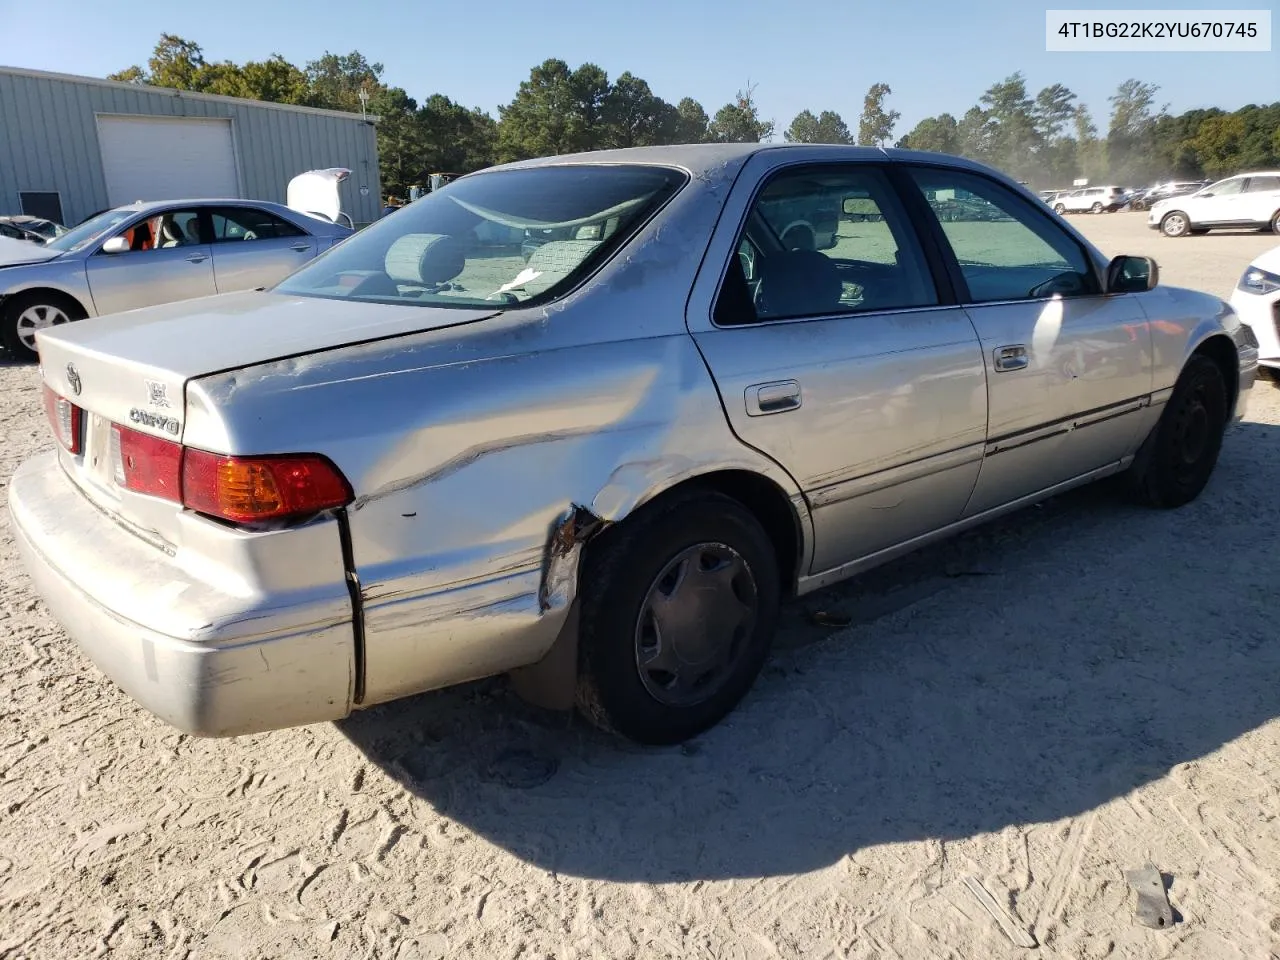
1025	672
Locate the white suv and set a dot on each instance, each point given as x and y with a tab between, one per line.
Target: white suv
1249	200
1093	199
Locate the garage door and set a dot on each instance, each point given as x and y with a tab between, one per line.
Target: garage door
166	158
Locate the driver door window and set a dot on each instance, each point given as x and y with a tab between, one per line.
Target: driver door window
825	244
1006	249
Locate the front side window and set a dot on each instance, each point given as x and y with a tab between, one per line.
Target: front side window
825	242
1224	188
249	223
501	238
172	228
1006	248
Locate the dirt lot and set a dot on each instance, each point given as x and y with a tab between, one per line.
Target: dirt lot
1042	704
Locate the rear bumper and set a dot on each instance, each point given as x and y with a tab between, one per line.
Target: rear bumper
211	664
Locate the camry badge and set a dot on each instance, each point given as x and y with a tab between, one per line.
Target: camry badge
156	393
73	378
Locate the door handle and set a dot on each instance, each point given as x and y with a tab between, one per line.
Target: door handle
1013	357
300	247
778	396
197	258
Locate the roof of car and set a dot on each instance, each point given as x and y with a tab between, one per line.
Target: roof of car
700	158
144	205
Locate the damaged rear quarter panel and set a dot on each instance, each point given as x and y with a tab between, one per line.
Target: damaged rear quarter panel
468	448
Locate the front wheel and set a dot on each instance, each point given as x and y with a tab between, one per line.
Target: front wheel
1178	458
1175	224
1096	208
1275	223
678	611
26	313
1059	209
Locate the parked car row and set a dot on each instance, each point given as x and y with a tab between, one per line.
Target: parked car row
1246	201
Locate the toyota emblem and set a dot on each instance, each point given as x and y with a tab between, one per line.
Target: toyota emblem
73	378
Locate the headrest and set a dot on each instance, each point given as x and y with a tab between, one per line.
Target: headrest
799	283
429	258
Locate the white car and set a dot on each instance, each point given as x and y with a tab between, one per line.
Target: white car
1247	200
1256	300
1091	199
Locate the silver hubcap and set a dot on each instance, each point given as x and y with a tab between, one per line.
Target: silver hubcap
35	318
1175	225
694	623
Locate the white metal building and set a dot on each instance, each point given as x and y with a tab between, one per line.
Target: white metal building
71	146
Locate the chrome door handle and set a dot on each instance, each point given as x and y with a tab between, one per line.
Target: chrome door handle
197	258
778	396
1013	357
300	247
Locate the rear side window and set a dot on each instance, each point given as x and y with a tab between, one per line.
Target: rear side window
1263	184
1006	248
825	242
249	223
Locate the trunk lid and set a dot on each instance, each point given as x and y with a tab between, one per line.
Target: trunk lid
132	369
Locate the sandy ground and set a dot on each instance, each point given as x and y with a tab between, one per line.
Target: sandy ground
1043	704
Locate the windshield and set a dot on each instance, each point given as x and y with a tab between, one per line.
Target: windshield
501	238
89	231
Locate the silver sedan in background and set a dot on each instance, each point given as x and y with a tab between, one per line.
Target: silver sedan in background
151	253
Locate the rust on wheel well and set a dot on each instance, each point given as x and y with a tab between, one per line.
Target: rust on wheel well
1222	351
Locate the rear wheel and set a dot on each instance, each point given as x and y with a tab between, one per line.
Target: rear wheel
26	313
1275	223
1059	208
678	612
1178	458
1175	224
1096	208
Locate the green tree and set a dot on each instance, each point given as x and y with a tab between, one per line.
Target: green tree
1217	144
634	117
827	127
691	122
739	122
975	134
1130	136
335	81
875	126
134	74
1013	138
455	139
555	111
939	134
1091	153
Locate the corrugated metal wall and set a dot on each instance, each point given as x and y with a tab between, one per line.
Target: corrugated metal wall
49	141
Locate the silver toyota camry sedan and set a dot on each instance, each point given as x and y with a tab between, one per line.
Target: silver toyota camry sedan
598	461
149	253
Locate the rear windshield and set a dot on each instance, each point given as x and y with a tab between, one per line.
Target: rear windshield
493	239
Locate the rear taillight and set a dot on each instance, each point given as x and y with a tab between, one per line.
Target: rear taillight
238	489
251	489
147	464
64	417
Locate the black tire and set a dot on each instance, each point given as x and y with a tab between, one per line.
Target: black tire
1059	209
1176	461
45	302
621	568
1096	208
1175	224
1275	222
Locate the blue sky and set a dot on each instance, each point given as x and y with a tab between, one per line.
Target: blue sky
936	56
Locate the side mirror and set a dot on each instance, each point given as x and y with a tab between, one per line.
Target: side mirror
1132	274
116	245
